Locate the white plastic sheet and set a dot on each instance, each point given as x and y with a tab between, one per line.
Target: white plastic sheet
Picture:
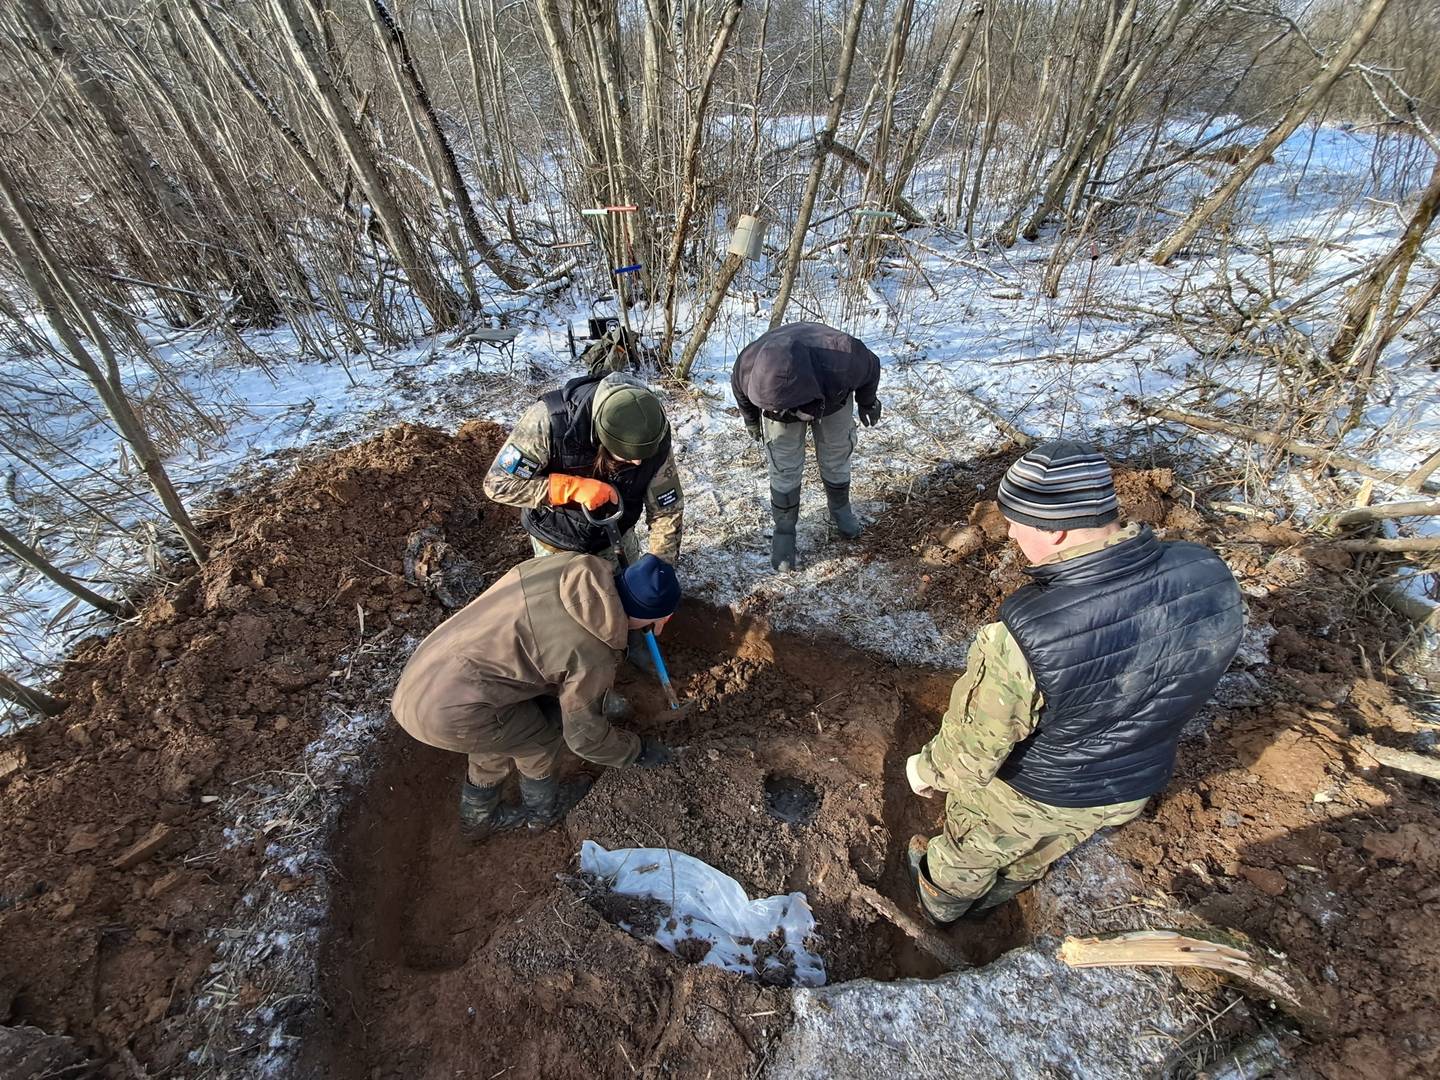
710	906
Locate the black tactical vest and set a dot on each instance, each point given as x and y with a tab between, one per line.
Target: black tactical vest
1126	643
573	447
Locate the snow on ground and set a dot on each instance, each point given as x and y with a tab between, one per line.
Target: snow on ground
960	332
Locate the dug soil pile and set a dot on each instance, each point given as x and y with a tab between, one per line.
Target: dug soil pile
1277	823
123	855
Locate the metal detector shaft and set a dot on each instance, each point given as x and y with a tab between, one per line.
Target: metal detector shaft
611	525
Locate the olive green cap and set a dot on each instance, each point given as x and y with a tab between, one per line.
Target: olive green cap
630	423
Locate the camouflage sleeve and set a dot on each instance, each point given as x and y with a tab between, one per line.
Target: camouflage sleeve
582	705
520	476
993	706
665	511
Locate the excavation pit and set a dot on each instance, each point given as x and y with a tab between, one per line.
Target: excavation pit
433	933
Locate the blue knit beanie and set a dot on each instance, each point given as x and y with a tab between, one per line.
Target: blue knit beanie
649	589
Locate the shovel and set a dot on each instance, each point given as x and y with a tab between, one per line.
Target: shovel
611	525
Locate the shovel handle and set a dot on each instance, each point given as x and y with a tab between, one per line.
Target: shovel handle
609	519
611	525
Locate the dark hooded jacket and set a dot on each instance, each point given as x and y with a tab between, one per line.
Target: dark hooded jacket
803	367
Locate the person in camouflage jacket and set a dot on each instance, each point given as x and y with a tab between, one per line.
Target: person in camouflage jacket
1068	716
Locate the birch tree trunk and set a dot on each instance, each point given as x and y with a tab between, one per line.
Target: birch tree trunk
419	268
1293	118
935	105
39	267
28	555
823	141
690	165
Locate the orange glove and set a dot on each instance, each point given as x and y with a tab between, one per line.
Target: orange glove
591	494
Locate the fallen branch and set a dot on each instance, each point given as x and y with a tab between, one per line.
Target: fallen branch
1229	953
1363	515
1013	433
1385	543
1299	449
1398	600
923	936
1401	760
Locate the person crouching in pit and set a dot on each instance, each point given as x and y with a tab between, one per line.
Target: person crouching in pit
1069	712
528	667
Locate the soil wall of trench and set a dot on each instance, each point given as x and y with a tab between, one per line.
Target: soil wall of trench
223	803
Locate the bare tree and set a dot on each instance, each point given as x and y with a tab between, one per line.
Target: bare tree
419	268
1260	153
41	267
824	140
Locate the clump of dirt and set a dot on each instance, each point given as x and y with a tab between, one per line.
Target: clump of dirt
120	858
1277	823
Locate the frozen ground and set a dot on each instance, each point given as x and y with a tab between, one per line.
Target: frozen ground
962	333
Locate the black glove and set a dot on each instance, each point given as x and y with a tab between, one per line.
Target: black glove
870	414
753	427
653	753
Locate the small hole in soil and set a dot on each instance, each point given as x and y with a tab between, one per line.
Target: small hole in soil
790	799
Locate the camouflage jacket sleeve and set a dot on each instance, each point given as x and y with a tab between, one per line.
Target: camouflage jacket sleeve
520	474
993	706
665	511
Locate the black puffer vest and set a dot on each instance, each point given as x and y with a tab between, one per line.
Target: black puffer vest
573	446
1126	643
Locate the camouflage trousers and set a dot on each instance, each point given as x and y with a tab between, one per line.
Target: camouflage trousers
998	841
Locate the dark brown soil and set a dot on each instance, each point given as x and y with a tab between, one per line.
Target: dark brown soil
115	872
1276	823
431	920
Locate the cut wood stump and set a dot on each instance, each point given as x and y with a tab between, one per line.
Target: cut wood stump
1229	953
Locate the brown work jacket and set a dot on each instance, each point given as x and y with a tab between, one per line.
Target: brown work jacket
552	625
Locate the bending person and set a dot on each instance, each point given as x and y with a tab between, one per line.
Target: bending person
1068	716
580	446
527	668
797	377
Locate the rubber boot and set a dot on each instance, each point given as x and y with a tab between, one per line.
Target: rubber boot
548	800
786	509
482	814
637	651
1002	892
846	523
938	906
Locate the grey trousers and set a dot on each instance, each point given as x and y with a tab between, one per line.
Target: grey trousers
834	437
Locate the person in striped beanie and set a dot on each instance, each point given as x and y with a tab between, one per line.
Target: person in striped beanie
1068	716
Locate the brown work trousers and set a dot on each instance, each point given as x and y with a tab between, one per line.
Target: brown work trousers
527	734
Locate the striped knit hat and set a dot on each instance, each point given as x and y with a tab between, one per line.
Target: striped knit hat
1060	485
